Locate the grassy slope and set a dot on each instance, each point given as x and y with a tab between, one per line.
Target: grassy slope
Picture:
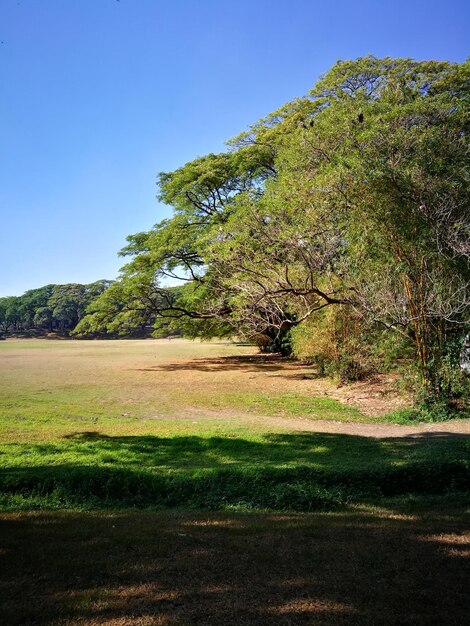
278	472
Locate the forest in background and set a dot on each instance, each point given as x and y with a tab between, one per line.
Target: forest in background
52	308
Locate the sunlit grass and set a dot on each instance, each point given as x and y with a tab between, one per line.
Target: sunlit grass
283	404
52	388
149	424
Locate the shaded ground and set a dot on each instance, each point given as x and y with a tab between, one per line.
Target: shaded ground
365	568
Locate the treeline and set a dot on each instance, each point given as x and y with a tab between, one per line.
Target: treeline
337	228
52	308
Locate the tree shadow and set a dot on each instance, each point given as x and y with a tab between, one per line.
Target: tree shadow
434	434
184	568
249	364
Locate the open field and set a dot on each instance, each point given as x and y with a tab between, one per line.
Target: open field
142	386
193	483
112	424
50	388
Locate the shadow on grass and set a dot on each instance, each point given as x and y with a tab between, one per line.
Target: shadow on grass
249	364
280	472
252	569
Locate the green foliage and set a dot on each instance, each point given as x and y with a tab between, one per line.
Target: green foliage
355	197
43	316
9	314
120	309
428	411
341	344
53	307
450	382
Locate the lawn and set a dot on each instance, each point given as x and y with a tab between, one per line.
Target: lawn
156	424
53	388
200	483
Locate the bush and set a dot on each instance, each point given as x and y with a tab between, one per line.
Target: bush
340	343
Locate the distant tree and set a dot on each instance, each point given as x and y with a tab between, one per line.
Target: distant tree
5	321
50	306
120	309
69	302
43	317
31	301
10	316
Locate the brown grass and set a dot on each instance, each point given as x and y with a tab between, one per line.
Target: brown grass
174	374
52	388
367	568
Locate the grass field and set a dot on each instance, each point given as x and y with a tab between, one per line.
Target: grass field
51	387
193	483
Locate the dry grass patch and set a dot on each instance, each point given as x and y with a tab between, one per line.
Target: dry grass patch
180	569
49	389
95	380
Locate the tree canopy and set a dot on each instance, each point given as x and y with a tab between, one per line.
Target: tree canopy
354	196
52	307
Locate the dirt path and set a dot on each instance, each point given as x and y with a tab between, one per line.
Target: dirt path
360	429
379	431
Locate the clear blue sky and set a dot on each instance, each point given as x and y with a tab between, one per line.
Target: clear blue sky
98	96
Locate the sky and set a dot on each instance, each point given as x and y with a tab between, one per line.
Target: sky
99	96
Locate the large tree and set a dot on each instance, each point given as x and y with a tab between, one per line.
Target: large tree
384	170
356	195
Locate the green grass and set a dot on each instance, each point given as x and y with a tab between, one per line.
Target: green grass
285	404
97	402
110	425
274	472
164	483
